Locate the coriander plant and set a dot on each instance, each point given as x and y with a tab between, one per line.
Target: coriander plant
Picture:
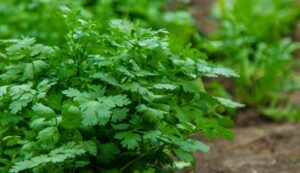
258	46
118	100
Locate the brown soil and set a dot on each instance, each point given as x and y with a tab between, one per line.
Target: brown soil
264	148
201	10
268	148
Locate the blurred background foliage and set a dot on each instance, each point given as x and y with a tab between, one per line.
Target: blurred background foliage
256	39
35	18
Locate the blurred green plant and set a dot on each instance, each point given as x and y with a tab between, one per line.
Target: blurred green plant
39	19
253	39
264	21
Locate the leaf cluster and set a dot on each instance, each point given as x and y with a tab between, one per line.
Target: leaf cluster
254	39
113	100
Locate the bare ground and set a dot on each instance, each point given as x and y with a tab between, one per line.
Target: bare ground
268	148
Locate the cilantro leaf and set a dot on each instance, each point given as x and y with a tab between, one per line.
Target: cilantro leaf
129	140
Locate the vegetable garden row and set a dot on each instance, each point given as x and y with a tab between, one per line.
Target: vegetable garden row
122	85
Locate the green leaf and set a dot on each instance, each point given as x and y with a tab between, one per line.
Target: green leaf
229	103
129	140
28	164
48	137
71	92
17	105
215	71
94	113
121	126
3	91
183	155
121	26
195	86
181	165
44	86
105	78
90	147
151	113
119	114
34	68
65	9
152	135
43	111
192	145
165	86
68	151
113	101
212	127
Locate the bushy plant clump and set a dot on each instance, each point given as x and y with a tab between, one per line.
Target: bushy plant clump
114	100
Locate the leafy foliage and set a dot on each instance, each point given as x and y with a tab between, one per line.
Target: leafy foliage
261	51
39	13
113	100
